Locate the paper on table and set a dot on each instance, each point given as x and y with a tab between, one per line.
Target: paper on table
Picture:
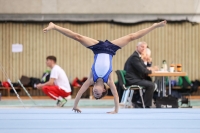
17	48
161	71
165	72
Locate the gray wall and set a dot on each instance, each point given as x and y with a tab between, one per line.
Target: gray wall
99	6
123	11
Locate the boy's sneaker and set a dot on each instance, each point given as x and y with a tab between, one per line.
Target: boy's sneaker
58	102
61	103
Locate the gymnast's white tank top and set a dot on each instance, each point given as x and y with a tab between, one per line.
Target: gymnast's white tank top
102	64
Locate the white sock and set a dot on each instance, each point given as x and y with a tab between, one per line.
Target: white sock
69	97
60	98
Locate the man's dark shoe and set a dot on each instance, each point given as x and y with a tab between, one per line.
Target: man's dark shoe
137	105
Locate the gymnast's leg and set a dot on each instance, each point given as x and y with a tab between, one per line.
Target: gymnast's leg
121	42
85	41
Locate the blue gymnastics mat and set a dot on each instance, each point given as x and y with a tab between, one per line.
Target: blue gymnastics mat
51	120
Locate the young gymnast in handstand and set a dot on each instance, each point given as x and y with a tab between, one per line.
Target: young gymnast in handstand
102	66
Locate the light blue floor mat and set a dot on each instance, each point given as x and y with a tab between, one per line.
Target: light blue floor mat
51	120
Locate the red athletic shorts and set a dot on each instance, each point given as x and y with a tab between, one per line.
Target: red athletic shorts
55	91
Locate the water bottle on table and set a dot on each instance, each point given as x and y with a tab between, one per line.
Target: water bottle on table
164	65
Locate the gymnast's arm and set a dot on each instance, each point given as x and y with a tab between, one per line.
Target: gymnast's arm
115	94
84	87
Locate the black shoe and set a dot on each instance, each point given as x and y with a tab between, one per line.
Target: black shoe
137	105
148	107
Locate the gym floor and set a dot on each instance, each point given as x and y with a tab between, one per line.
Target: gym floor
51	120
45	117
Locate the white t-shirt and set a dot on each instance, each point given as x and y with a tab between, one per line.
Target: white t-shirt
60	77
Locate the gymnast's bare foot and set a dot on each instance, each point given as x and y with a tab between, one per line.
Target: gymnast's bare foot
51	26
161	24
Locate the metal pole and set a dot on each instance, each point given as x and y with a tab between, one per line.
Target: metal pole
163	86
169	78
141	95
127	92
20	84
159	86
9	81
26	91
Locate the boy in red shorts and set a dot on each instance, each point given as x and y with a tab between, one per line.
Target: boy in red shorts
58	87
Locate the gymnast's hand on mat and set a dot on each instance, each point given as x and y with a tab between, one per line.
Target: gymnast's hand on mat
161	24
76	110
112	112
51	26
